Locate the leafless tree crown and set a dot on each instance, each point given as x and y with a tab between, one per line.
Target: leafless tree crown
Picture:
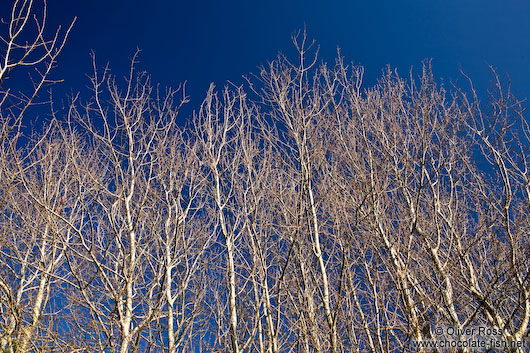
300	213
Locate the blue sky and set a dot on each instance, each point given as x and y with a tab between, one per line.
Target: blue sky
215	41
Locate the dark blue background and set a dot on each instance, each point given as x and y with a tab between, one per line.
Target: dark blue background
215	41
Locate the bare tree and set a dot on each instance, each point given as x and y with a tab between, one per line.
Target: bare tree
31	184
302	107
389	178
305	214
497	278
184	243
226	154
135	235
26	48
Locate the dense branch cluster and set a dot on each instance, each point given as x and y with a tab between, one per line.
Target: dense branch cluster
304	213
